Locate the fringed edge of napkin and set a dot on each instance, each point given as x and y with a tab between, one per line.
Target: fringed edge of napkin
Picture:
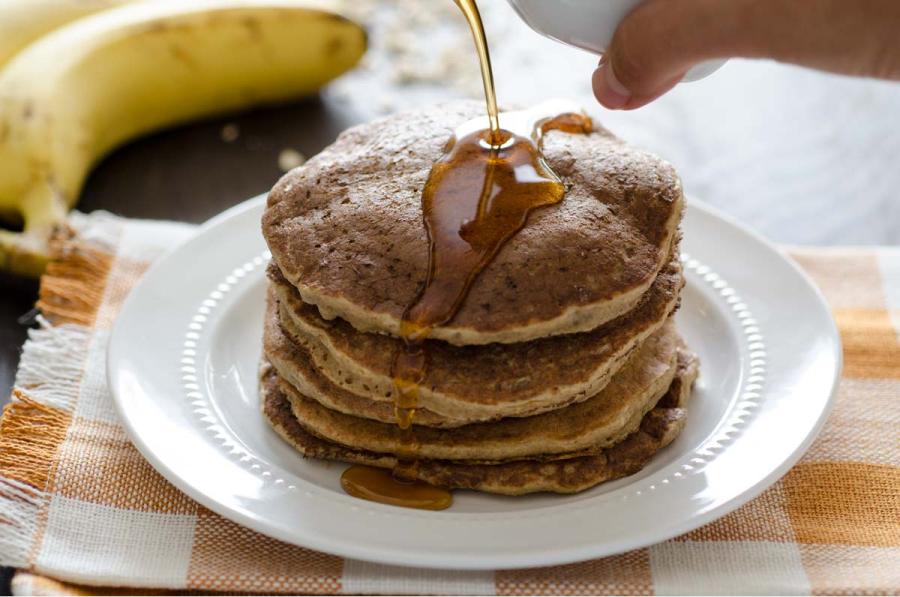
35	422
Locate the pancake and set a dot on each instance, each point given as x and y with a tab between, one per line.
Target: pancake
598	422
688	369
346	230
295	366
658	428
472	383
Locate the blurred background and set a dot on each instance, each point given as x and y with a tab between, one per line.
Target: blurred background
802	157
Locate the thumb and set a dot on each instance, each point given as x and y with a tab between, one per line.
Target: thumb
656	44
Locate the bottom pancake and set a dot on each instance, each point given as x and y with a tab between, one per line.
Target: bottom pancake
658	428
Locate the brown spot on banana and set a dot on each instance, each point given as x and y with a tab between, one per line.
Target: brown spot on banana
181	55
334	46
254	29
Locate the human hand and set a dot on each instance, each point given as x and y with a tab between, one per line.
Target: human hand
661	39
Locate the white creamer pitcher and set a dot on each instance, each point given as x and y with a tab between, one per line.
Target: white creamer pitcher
588	24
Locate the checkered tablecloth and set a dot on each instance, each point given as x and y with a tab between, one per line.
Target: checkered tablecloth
80	508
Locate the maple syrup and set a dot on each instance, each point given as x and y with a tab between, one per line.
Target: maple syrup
473	17
478	195
379	485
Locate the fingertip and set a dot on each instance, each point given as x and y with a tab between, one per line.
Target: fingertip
607	88
614	96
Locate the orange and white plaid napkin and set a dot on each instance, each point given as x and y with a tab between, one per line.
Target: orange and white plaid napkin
80	508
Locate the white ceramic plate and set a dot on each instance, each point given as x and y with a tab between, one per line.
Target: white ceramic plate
185	384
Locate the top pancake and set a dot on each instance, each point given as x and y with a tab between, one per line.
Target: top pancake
346	230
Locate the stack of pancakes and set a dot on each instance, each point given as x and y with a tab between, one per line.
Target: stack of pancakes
562	368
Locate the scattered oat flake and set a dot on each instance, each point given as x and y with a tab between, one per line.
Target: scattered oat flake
230	132
289	159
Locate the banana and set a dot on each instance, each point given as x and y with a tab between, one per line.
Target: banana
23	21
87	87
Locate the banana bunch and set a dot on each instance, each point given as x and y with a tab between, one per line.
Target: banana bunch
88	86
